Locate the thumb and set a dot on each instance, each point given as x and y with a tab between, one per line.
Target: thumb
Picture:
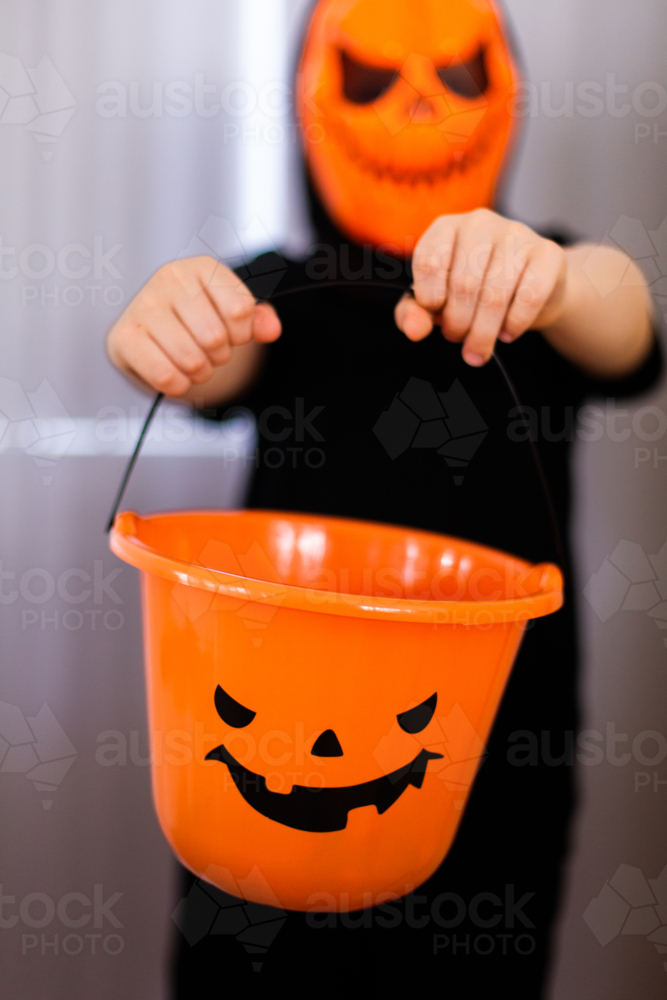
266	326
415	322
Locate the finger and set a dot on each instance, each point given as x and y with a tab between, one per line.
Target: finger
200	277
167	331
542	276
202	321
415	321
465	282
234	303
431	263
146	359
266	326
495	296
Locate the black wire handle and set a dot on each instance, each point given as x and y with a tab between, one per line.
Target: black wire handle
393	286
135	455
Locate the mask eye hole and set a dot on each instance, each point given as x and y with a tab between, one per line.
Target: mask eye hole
363	84
230	711
466	79
416	719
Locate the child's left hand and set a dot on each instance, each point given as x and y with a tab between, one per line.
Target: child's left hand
482	278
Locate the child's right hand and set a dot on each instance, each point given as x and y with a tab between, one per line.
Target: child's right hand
185	322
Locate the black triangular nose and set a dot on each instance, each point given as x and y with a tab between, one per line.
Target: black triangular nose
327	745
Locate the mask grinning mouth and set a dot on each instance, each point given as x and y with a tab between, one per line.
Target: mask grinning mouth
458	162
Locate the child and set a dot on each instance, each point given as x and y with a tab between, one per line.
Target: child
405	109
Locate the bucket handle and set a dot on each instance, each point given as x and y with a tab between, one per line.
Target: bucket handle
391	286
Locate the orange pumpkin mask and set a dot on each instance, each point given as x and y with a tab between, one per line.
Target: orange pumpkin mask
405	108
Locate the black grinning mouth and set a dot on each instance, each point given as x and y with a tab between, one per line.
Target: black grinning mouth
322	810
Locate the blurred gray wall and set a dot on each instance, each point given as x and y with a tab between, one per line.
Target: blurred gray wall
93	198
84	185
602	174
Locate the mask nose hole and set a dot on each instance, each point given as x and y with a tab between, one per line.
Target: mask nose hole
327	745
422	110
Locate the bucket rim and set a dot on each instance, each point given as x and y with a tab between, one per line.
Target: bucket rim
546	579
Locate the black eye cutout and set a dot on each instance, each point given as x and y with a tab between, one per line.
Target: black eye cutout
416	719
363	84
230	711
466	79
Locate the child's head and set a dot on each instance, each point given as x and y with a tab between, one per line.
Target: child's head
405	109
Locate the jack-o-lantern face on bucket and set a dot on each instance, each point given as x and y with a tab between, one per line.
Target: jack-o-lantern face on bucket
405	108
323	810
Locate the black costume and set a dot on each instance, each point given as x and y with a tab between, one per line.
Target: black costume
327	448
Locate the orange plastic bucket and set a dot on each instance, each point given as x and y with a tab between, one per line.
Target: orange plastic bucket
320	692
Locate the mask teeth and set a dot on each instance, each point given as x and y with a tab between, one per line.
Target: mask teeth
413	179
